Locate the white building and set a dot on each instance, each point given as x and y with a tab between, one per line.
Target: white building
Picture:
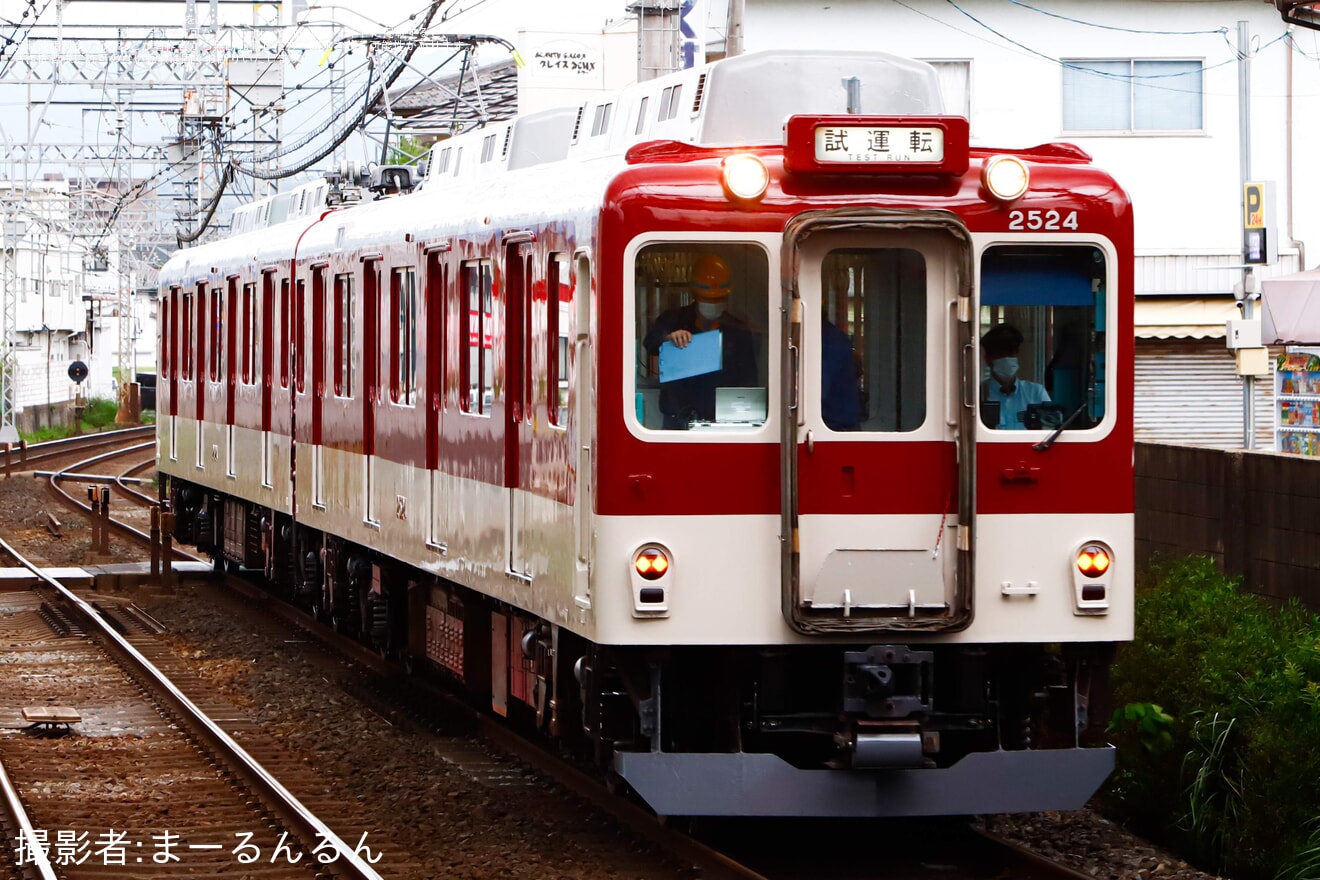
43	273
1150	88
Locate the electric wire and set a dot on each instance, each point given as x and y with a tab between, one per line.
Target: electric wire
1111	27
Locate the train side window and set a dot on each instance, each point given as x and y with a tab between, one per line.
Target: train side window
286	337
185	338
873	339
700	336
233	329
249	325
477	362
1042	329
216	325
169	320
343	330
436	286
299	323
558	324
403	347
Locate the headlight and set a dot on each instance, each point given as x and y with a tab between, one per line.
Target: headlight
745	176
1005	177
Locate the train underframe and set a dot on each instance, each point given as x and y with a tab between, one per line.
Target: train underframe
875	728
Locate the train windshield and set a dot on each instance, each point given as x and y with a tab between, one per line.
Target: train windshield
1042	331
702	314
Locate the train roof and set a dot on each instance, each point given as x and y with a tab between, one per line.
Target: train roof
739	101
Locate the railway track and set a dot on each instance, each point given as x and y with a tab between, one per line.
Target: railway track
119	772
24	457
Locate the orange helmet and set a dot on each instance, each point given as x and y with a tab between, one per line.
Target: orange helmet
710	277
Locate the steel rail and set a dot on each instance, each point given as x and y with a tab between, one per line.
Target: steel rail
309	827
66	445
123	480
38	863
122	527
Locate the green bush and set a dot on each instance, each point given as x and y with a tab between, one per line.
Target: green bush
98	415
1218	738
100	412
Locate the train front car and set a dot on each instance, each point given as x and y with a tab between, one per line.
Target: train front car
863	453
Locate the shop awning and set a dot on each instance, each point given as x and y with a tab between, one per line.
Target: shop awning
1291	309
1172	317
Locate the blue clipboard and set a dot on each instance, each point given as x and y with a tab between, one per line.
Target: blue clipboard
704	354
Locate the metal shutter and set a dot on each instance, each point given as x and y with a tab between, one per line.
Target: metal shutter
1188	391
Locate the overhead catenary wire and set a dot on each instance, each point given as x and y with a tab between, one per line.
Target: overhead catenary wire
346	128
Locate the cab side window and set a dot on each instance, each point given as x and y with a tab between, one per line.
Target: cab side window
1042	337
701	318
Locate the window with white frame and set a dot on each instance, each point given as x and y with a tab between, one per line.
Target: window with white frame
956	86
1133	95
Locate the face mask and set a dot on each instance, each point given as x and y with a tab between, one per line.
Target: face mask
1004	369
710	310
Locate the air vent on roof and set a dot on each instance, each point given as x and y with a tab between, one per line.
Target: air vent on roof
641	116
701	92
669	102
443	165
508	136
487	148
601	123
577	125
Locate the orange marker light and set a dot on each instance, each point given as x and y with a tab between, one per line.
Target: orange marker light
651	564
1093	560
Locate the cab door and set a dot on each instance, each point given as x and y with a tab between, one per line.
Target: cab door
878	360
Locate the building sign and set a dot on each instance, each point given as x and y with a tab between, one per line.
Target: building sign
565	59
692	33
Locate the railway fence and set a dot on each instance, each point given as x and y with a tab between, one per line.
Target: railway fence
1256	513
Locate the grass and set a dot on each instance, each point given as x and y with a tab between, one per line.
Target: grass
99	415
1220	717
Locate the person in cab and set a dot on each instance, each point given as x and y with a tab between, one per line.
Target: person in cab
1004	396
688	395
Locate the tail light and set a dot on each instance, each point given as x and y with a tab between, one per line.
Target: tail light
652	579
1093	565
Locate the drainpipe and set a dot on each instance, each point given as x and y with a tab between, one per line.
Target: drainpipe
1288	164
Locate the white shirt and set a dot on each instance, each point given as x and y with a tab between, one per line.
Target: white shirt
1014	403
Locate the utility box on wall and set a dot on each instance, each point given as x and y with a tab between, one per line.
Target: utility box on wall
1242	333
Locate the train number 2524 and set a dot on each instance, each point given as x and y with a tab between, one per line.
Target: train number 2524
1047	220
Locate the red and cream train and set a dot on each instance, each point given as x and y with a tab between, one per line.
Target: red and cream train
434	417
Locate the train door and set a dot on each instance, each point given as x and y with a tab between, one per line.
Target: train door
170	321
231	371
319	294
267	373
371	388
875	501
435	284
518	427
199	370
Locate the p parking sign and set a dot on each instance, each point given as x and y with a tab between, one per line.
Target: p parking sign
1260	244
1253	205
